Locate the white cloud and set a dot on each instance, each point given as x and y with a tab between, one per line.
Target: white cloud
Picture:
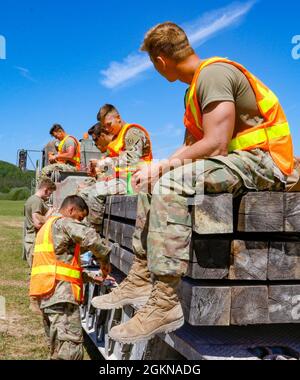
198	32
25	73
120	72
213	22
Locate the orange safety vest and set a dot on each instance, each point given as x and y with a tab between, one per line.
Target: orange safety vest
117	146
273	135
47	269
74	160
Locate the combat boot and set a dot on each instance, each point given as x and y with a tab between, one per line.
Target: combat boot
34	306
134	290
161	314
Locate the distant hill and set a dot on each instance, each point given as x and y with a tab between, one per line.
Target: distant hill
12	177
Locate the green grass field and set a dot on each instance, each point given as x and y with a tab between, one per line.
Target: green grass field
21	332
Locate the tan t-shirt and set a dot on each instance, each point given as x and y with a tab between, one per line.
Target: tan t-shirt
70	142
33	205
225	82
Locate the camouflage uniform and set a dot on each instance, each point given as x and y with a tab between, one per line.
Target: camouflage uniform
60	310
136	146
164	224
49	169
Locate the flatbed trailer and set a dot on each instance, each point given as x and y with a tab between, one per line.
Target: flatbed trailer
241	296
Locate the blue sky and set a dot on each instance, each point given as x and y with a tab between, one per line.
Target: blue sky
65	59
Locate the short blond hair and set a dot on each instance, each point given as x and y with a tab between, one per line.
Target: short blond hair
47	183
167	39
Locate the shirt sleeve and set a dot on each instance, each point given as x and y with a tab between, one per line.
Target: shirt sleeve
216	83
135	145
69	143
87	237
38	206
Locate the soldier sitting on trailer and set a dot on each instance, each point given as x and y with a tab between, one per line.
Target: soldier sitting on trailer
68	157
125	146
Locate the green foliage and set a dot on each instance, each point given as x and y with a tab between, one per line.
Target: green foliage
16	194
12	177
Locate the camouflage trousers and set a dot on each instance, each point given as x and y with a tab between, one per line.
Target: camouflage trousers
29	248
164	225
95	196
49	169
63	329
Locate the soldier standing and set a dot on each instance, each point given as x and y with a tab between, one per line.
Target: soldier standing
36	213
56	277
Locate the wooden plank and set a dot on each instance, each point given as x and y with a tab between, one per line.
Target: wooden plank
126	260
261	212
113	205
131	207
292	212
209	259
284	303
205	305
249	305
249	260
127	233
115	256
214	215
122	206
284	261
118	232
114	230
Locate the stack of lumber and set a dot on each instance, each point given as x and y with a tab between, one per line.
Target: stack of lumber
244	264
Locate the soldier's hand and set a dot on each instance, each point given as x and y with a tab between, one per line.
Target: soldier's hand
105	269
52	158
146	177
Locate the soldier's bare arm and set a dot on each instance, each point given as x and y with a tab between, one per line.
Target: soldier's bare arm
38	220
69	154
188	141
218	127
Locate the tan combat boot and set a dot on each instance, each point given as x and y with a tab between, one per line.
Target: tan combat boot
161	314
134	290
34	306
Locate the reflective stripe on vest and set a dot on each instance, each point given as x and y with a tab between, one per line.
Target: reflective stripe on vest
67	272
273	135
47	269
74	160
259	137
